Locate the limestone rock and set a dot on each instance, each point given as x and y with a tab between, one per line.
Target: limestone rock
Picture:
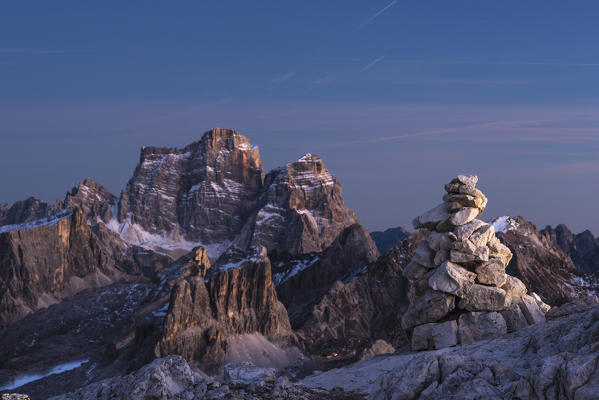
471	180
531	310
477	326
463	232
514	318
423	255
492	273
463	216
432	217
377	348
483	298
435	336
247	375
451	278
430	307
482	236
514	289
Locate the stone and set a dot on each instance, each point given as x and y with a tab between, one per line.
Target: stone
435	336
440	257
514	289
482	236
423	255
492	273
463	200
464	246
376	349
464	179
432	217
434	240
483	298
464	216
499	250
445	334
458	188
476	326
531	310
247	375
463	232
451	278
430	307
481	254
514	319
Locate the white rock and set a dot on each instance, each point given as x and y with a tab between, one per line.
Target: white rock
464	216
531	310
451	278
492	273
432	217
463	232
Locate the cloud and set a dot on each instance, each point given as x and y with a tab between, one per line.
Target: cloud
283	78
15	50
372	63
375	15
469	62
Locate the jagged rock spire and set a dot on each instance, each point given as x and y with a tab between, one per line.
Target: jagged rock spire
460	291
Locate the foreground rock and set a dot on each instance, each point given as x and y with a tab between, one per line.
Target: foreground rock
460	285
555	360
172	378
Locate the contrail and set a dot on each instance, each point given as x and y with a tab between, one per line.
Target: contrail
369	20
373	63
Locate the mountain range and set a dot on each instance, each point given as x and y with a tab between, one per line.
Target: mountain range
207	265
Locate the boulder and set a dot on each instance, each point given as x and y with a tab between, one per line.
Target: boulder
514	319
482	236
464	179
423	255
430	307
451	278
463	232
414	270
435	336
464	216
492	273
531	310
481	254
514	289
432	217
247	375
376	349
483	298
477	326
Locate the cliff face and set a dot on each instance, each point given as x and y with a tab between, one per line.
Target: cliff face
303	281
202	193
301	209
583	248
42	265
209	308
541	265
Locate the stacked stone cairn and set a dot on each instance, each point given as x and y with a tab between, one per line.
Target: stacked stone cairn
460	292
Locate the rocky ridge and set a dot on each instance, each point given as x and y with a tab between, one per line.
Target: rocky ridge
583	248
461	292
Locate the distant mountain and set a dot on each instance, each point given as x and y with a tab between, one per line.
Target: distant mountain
583	248
388	239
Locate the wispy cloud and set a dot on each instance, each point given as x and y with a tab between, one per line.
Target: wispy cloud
17	50
471	62
283	78
378	13
373	63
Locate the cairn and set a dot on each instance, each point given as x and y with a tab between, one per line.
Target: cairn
460	292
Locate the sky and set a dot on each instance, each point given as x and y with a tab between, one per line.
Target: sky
396	96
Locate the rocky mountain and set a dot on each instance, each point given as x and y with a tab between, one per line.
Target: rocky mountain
583	248
54	259
28	210
541	265
389	238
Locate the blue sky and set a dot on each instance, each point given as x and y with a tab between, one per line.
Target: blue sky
396	96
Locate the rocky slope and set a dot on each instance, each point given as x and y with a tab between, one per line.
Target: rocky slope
583	248
542	266
553	360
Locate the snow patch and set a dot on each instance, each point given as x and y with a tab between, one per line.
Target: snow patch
24	379
48	221
504	224
295	268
